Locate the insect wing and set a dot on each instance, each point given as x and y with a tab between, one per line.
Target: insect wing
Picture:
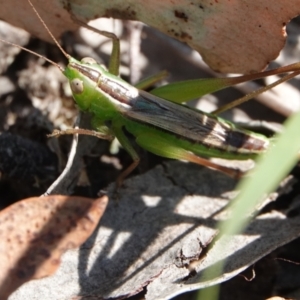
177	119
192	125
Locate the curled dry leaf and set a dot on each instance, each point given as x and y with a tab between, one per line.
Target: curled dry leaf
232	36
35	233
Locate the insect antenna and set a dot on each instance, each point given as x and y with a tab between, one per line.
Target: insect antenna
48	30
51	35
34	53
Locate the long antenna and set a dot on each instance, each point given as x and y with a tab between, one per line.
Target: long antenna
48	30
34	53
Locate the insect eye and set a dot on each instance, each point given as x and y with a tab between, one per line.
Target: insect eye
88	60
76	86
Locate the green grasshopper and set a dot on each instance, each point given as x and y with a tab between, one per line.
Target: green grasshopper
165	128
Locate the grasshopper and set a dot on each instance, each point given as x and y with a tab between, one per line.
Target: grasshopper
160	126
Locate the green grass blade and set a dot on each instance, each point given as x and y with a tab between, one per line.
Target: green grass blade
183	91
270	170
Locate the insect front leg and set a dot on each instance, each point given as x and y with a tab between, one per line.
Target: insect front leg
80	131
101	132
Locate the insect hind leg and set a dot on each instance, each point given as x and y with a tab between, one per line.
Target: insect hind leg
161	147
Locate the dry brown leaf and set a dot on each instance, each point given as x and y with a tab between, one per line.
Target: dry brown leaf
156	236
35	233
232	36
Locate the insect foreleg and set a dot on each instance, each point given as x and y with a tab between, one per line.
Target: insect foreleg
58	133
